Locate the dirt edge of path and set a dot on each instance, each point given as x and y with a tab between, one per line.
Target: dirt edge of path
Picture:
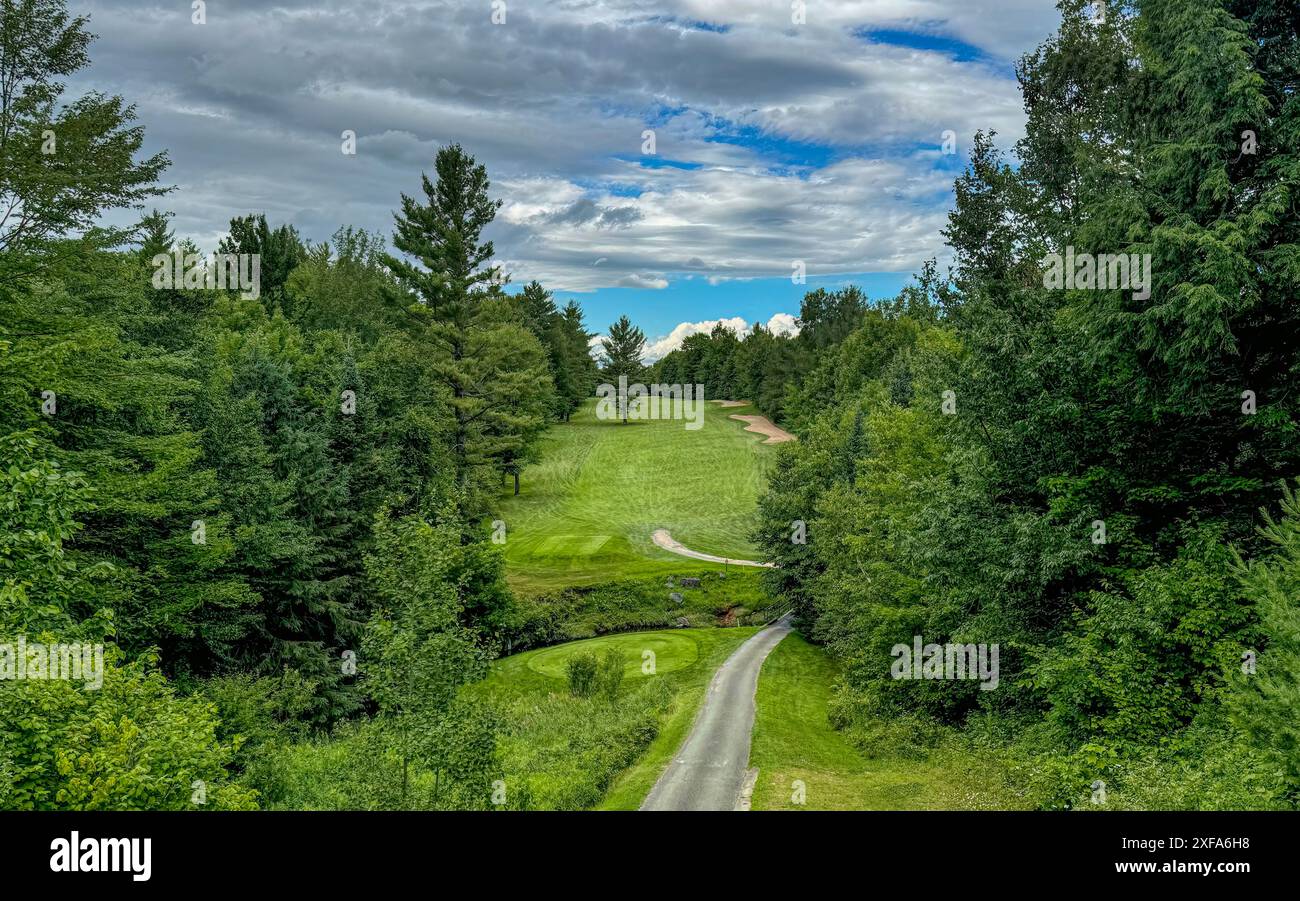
662	538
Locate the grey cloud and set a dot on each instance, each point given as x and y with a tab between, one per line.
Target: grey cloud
588	212
251	107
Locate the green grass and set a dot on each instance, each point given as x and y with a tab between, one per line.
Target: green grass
564	752
794	740
671	651
586	513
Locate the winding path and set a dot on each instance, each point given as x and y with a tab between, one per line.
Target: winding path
708	771
666	541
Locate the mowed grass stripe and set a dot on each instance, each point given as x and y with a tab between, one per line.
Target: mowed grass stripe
586	513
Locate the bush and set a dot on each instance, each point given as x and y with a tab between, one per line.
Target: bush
132	744
565	753
582	670
258	710
638	604
610	674
1266	701
357	767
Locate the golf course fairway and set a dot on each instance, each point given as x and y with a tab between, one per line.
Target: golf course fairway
586	514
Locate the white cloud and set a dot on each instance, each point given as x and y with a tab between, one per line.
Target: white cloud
661	347
637	280
856	215
779	323
783	324
252	104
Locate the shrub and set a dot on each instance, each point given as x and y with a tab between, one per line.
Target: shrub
132	744
610	672
582	669
257	710
358	767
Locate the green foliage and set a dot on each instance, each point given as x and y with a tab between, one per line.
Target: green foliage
582	670
62	164
590	674
621	352
492	369
1266	703
1066	472
1149	651
417	655
279	250
259	711
359	768
565	338
131	744
791	378
41	586
610	672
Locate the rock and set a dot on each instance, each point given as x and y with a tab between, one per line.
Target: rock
690	583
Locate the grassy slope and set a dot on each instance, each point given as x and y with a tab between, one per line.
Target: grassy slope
569	750
794	740
586	512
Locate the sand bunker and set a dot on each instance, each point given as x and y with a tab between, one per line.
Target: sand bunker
764	426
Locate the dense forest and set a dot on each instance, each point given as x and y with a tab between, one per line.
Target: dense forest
275	511
1100	482
270	509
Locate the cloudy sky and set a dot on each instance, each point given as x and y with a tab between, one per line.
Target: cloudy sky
773	140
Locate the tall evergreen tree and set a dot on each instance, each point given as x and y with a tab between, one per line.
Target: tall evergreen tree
580	367
279	250
156	237
493	368
623	349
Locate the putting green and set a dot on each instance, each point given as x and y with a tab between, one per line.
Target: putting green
672	651
587	511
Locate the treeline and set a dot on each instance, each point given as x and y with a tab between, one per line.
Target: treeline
1078	475
269	509
766	368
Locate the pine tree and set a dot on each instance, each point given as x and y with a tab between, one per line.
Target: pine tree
492	367
623	348
538	308
1267	702
546	323
581	367
279	251
155	235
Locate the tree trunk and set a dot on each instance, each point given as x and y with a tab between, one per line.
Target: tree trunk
516	483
